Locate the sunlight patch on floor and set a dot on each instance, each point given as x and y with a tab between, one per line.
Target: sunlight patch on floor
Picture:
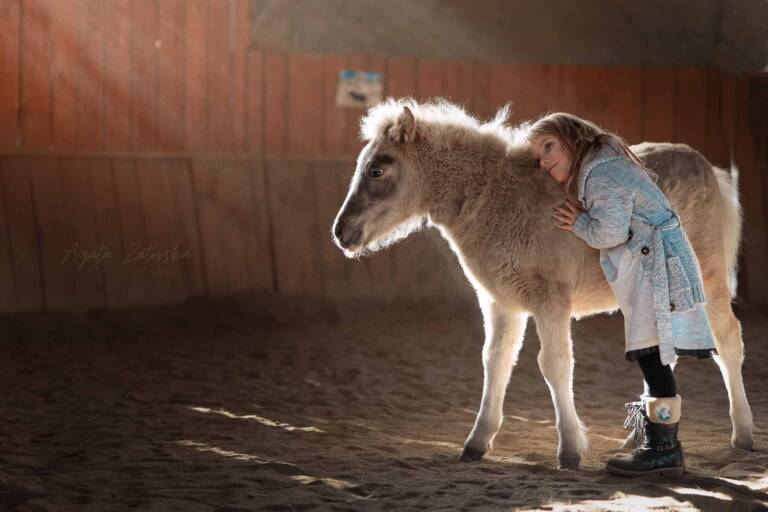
620	502
755	481
202	447
333	482
442	444
457	448
614	439
520	418
508	460
701	492
260	419
352	489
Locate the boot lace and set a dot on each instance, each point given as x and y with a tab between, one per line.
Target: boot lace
635	421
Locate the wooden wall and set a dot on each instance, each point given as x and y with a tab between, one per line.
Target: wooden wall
152	125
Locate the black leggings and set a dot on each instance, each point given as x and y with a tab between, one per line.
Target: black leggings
659	377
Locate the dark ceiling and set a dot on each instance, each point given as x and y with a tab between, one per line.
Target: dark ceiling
730	34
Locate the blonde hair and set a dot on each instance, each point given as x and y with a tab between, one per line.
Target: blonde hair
579	137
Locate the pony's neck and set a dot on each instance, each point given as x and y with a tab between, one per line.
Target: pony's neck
457	177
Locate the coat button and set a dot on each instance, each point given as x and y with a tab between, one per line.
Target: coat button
645	250
671	307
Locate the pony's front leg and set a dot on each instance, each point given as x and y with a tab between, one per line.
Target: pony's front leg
504	331
553	323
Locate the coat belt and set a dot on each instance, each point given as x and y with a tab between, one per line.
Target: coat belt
660	283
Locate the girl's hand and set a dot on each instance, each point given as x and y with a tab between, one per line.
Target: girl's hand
565	215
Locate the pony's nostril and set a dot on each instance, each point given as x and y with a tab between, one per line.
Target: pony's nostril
337	230
352	238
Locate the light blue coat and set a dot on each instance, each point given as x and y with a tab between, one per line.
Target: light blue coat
624	206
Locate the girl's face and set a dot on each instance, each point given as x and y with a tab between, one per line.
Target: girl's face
553	157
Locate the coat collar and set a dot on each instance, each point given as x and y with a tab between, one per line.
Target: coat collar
607	152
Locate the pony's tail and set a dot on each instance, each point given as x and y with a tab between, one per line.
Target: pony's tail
732	222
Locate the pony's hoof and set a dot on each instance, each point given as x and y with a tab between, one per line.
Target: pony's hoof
569	462
471	454
745	444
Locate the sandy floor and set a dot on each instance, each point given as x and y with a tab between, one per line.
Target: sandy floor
269	403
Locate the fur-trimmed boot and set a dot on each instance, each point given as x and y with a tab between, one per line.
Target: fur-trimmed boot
659	451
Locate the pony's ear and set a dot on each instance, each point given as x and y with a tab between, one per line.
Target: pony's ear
404	129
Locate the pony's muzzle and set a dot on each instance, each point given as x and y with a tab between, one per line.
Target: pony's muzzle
345	235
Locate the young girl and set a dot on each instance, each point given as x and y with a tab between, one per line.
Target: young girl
649	264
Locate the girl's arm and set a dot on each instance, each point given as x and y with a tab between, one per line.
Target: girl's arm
609	211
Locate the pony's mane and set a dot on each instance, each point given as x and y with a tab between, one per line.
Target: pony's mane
443	123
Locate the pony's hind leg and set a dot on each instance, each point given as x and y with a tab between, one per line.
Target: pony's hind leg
730	348
504	333
556	363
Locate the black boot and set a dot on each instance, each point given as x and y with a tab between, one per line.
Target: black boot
660	452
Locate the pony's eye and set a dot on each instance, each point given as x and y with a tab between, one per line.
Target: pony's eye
375	172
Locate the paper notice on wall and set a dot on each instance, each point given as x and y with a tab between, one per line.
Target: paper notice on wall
359	88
